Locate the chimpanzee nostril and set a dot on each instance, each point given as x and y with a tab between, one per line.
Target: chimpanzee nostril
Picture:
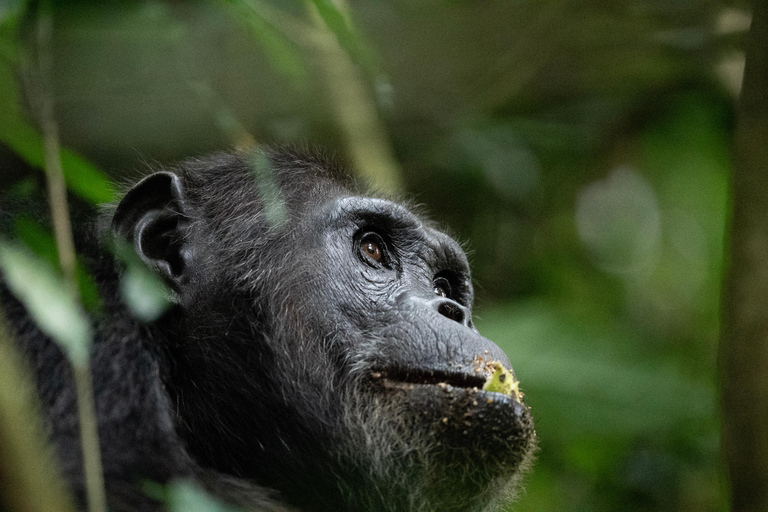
453	311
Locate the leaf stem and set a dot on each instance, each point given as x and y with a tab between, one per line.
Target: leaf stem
365	136
57	199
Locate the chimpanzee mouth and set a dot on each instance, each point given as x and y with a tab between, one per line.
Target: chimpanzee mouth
409	377
455	406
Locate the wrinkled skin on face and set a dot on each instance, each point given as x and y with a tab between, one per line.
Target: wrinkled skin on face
320	353
414	345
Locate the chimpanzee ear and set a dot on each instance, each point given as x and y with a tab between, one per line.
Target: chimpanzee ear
152	217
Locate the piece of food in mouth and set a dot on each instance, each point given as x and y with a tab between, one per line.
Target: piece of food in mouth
502	381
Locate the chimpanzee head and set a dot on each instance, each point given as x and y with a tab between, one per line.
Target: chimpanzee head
321	343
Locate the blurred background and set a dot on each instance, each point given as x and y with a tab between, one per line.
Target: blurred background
580	149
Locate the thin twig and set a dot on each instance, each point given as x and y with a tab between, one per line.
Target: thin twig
57	199
355	109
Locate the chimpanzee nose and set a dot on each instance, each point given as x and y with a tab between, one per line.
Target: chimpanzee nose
444	306
454	311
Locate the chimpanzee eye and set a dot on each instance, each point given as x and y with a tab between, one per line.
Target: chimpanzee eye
371	249
442	287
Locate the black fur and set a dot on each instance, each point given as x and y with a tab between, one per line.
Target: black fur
293	371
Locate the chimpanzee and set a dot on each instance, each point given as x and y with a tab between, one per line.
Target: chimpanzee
319	353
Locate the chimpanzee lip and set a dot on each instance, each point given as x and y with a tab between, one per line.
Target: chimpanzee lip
445	383
405	377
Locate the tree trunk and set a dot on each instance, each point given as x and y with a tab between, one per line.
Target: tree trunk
744	344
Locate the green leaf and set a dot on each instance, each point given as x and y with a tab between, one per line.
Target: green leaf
182	496
145	294
51	305
85	179
36	238
10	15
82	177
275	210
40	241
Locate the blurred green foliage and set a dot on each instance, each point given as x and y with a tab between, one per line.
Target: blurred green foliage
184	496
50	303
581	149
